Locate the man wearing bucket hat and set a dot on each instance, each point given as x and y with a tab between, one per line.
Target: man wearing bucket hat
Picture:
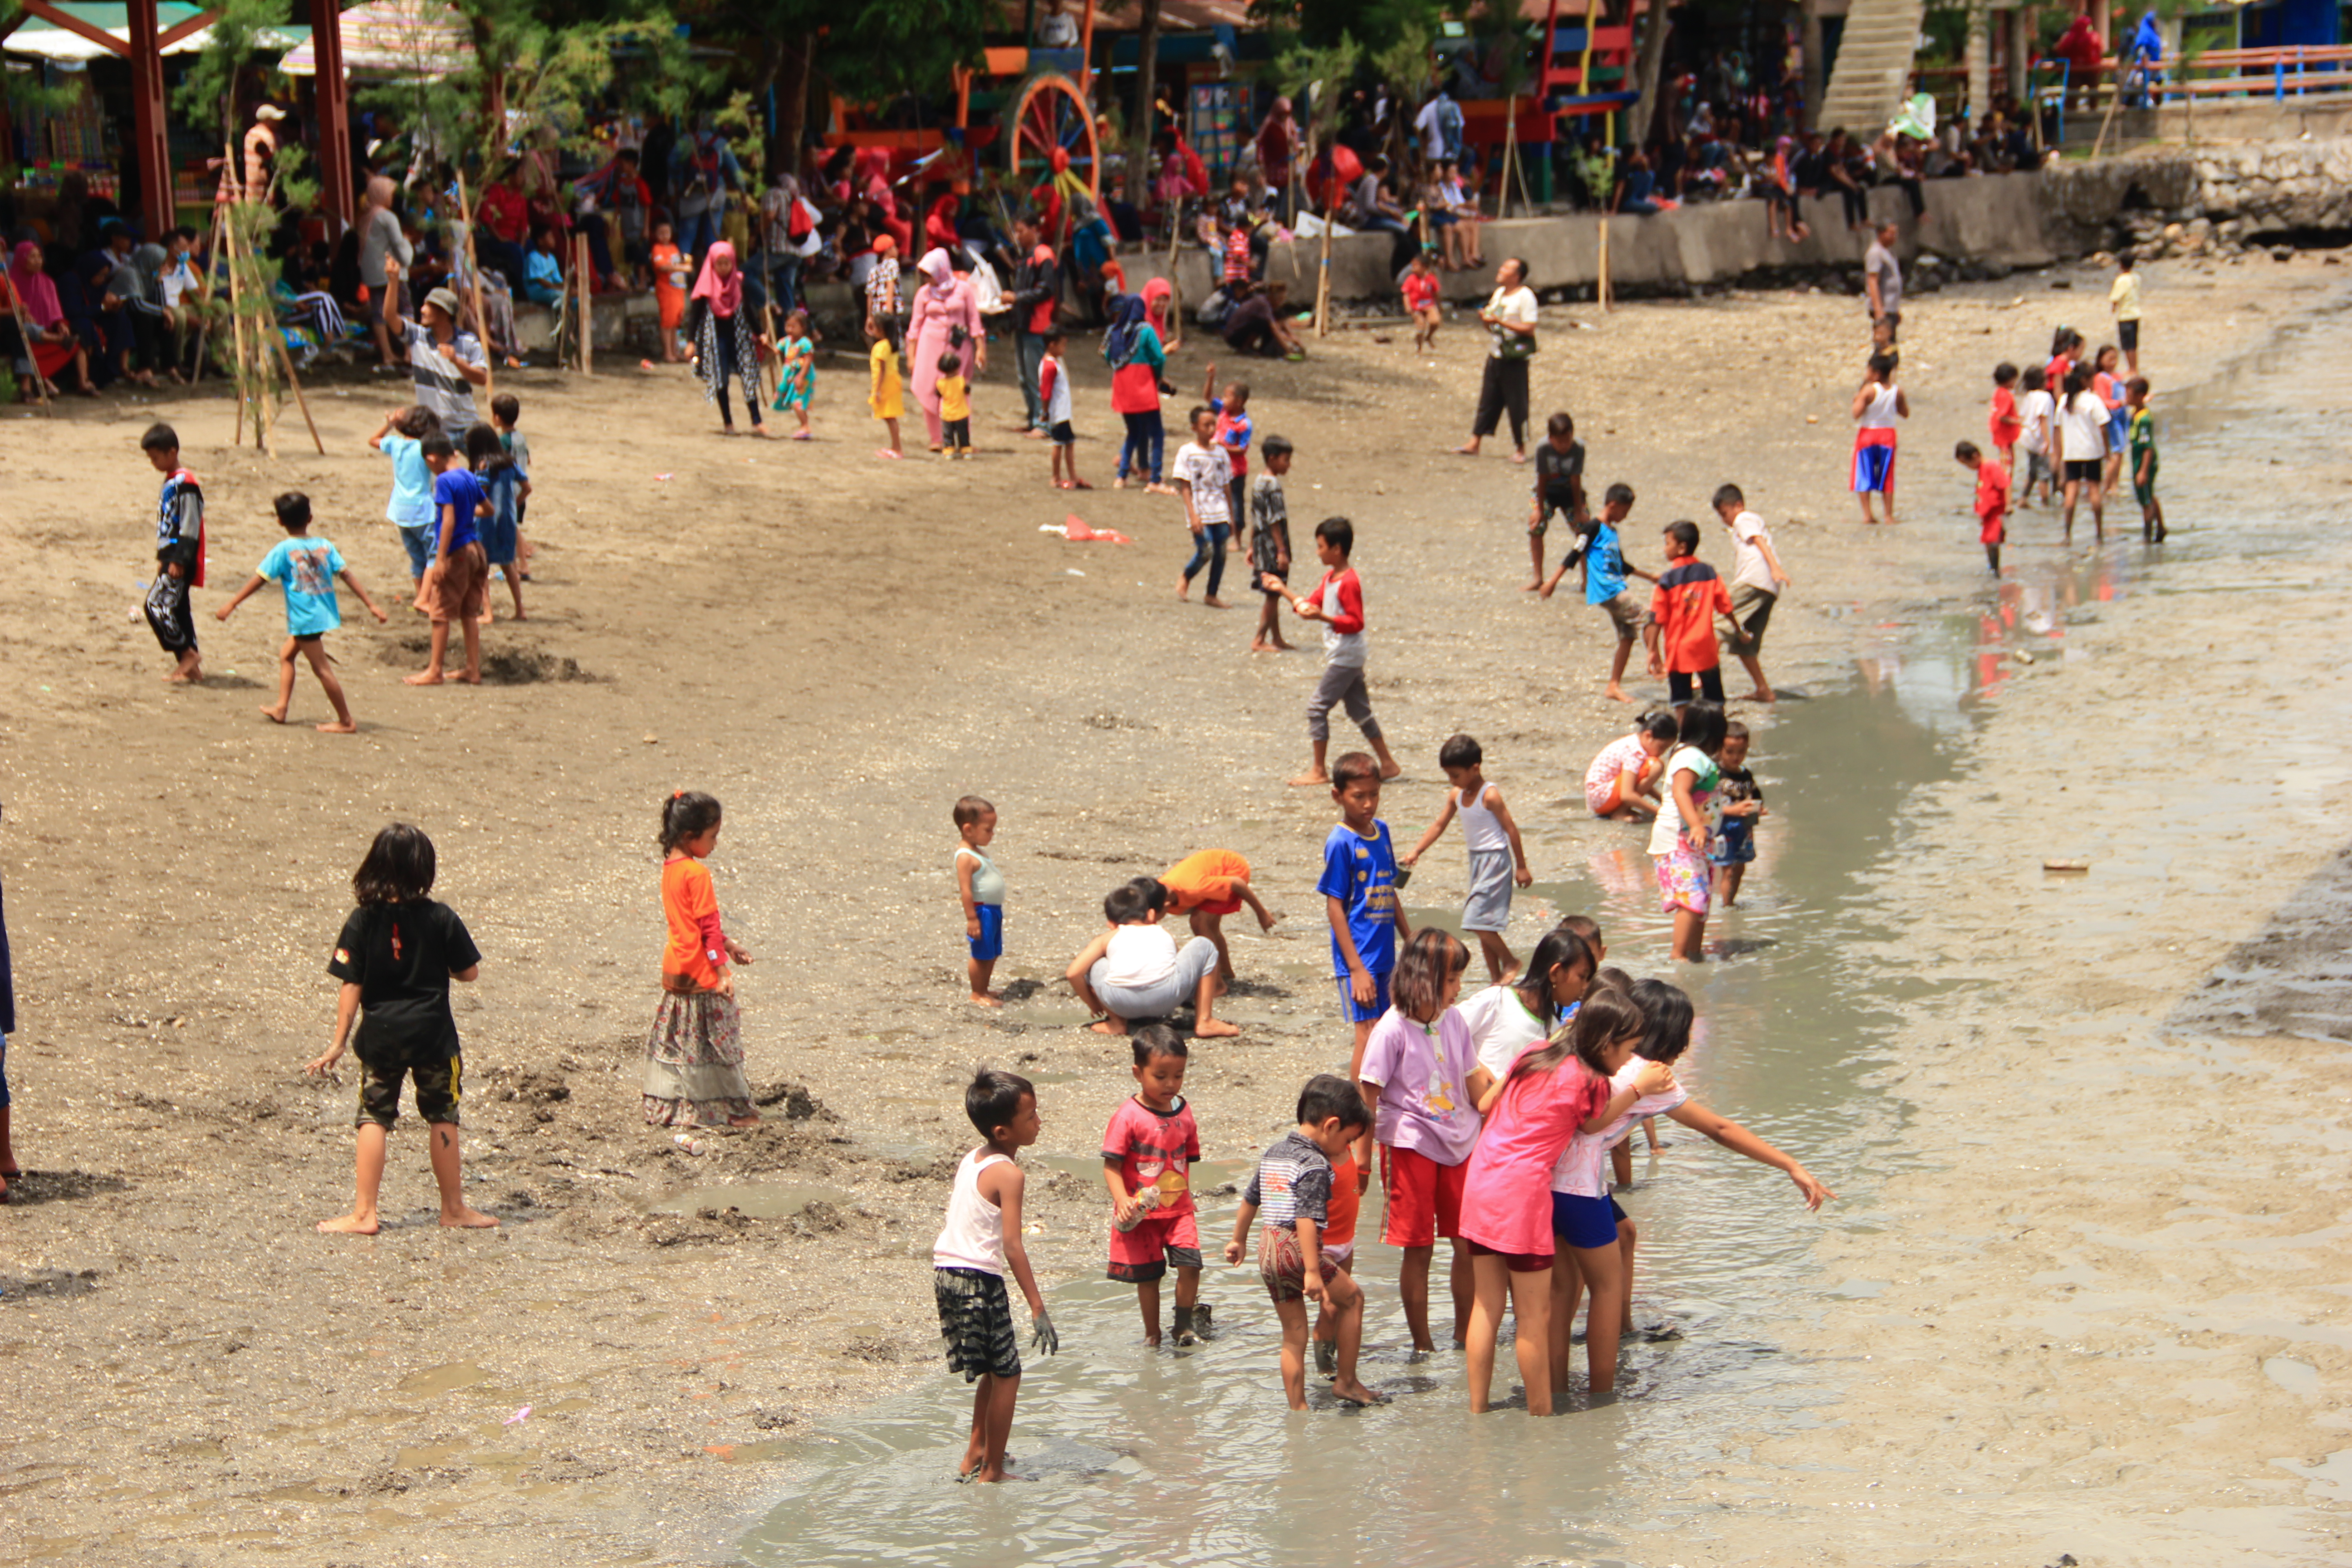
445	364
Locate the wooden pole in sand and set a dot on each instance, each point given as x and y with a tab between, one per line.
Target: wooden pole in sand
235	300
587	321
1323	284
474	282
204	328
1604	261
24	334
286	363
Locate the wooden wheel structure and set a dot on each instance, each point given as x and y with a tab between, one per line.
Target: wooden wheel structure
1050	129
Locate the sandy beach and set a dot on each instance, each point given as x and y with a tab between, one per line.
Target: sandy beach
2088	1309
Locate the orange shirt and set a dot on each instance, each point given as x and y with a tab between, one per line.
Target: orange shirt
1339	1214
1207	878
1688	598
690	906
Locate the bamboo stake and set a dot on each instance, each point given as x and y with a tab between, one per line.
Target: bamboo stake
1176	290
474	282
204	328
586	324
1604	262
25	331
246	390
1323	284
286	362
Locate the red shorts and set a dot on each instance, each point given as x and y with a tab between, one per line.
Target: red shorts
1425	1198
1218	907
1516	1262
1142	1255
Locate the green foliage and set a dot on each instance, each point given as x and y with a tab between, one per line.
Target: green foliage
1406	64
206	95
1375	26
26	88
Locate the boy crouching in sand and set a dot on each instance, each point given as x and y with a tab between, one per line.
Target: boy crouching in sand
981	1239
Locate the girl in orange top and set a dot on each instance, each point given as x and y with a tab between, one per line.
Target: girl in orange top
671	274
694	1054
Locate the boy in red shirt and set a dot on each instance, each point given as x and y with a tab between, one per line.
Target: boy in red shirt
1420	288
2004	423
1993	499
1683	607
1208	885
1148	1151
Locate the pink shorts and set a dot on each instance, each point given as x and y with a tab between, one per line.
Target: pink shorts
1683	880
1141	1255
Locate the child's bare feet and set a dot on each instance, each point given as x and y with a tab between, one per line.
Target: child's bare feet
423	678
339	727
1616	693
986	999
1108	1025
743	1121
1156	488
1534	587
1183	588
1758	695
1215	1029
1303	780
1351	1391
1394	770
1211	602
275	715
465	1218
471	678
353	1225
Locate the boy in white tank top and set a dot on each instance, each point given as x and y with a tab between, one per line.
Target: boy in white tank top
981	1239
1497	859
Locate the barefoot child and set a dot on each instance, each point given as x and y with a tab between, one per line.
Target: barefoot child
2037	411
1543	1100
1559	487
1506	1021
694	1053
1621	784
506	419
1360	899
1992	501
1200	473
1682	610
796	381
2004	423
1338	601
1270	542
179	554
955	407
1683	833
982	887
884	394
980	1240
1419	288
1134	974
1497	859
1878	404
1289	1194
307	568
1053	392
1757	583
1421	1079
396	955
502	488
1743	802
1148	1153
1234	429
410	508
457	586
1606	571
2143	461
1207	886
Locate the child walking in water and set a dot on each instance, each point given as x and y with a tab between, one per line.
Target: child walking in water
2143	462
1686	825
982	887
1992	501
980	1240
1290	1194
1148	1153
307	567
694	1053
796	381
395	957
1421	1078
1876	408
884	396
1497	859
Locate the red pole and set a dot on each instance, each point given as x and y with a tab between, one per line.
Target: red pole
153	149
334	106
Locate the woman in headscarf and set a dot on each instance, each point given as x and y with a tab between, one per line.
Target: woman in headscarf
1138	370
943	306
1160	309
53	346
724	342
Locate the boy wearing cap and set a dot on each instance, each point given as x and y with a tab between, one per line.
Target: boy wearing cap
445	364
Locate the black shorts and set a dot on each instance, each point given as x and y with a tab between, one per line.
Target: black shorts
436	1091
2128	335
1063	435
2085	472
1709	682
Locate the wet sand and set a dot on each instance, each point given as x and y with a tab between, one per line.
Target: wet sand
838	647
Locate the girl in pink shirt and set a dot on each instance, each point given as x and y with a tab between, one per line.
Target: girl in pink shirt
1550	1092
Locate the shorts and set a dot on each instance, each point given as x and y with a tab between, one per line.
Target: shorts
1873	469
1281	1266
2085	471
2037	470
3	1072
1338	1255
989	945
2128	335
976	1323
2119	429
1063	435
1682	885
1708	681
1586	1224
418	542
1425	1198
1752	609
1629	613
2144	493
1218	907
1148	1252
1488	907
436	1091
498	540
1516	1262
461	589
1354	1014
1733	845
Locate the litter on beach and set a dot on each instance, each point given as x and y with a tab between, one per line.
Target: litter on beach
2065	865
1074	528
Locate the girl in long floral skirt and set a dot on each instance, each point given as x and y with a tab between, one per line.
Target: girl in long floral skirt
694	1057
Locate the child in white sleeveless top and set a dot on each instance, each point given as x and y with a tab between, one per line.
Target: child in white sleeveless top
1497	859
980	1239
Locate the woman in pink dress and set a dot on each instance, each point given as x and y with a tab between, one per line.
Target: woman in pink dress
943	303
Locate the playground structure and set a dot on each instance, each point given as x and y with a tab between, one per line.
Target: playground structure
1583	65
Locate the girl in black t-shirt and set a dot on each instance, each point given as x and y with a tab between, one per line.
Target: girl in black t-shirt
396	955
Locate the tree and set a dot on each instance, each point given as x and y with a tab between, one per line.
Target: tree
1147	90
1370	27
1657	21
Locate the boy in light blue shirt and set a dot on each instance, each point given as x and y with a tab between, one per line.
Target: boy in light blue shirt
1606	572
410	509
307	568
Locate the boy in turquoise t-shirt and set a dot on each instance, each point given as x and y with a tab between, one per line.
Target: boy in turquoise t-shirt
307	567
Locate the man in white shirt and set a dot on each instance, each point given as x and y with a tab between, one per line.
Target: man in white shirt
1440	125
1510	317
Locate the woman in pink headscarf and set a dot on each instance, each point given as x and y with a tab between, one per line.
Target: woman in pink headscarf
724	342
52	345
943	306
